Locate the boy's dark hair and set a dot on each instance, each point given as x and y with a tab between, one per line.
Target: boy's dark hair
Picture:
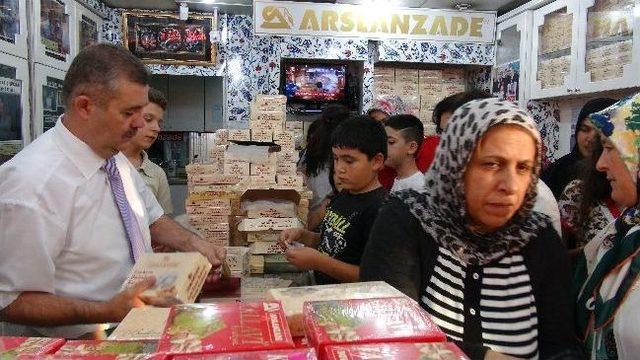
361	133
375	110
99	69
409	126
452	102
157	97
318	153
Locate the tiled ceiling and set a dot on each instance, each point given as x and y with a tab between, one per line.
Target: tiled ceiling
244	6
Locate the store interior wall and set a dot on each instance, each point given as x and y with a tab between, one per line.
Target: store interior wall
251	64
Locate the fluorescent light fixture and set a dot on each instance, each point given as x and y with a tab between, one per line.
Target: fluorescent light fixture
184	11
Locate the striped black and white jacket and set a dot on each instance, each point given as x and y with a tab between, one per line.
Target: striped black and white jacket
519	305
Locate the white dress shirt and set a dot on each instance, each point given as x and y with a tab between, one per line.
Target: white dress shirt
60	229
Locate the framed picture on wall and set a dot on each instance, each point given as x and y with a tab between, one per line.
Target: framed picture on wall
55	33
48	97
13	27
162	38
14	105
88	27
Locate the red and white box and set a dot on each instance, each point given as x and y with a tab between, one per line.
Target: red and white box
14	346
292	354
240	168
294	181
363	321
262	135
239	135
107	347
394	351
95	357
226	327
263	169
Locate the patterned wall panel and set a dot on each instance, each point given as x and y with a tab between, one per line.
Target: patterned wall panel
432	52
547	116
252	63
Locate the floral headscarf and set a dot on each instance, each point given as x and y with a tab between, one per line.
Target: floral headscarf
610	263
441	207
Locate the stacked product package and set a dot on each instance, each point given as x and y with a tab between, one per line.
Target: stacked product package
416	91
294	298
367	321
226	327
250	190
554	58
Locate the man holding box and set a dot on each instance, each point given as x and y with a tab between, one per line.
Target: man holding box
74	213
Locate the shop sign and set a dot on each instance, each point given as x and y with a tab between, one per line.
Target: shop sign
372	22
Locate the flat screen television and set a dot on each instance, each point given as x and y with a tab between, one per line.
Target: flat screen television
315	82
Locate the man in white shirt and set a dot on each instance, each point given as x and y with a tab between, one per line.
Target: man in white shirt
152	174
74	212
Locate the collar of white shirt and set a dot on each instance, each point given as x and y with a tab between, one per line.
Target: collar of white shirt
145	166
80	154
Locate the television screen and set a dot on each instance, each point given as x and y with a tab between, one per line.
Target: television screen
315	82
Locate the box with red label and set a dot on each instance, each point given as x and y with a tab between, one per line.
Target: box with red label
201	168
240	168
107	347
263	169
293	181
226	327
218	238
292	354
95	357
13	346
286	139
397	319
213	179
394	351
239	135
261	135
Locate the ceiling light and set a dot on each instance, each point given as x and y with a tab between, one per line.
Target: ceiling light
184	11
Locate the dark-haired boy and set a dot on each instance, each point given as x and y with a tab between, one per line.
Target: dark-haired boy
359	150
404	138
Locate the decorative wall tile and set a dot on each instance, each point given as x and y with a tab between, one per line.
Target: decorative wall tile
252	63
432	52
547	116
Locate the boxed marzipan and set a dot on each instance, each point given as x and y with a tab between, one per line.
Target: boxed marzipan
291	354
226	327
107	347
141	323
238	260
179	275
11	346
269	223
294	298
361	321
394	351
269	208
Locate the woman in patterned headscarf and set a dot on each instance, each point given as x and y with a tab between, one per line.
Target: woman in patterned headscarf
606	276
491	272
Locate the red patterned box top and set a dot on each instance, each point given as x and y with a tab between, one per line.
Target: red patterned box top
13	346
226	327
291	354
394	351
368	321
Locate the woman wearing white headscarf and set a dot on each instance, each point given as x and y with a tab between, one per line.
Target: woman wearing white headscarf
607	276
492	273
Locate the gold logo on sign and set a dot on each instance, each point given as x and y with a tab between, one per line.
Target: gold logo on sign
276	18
